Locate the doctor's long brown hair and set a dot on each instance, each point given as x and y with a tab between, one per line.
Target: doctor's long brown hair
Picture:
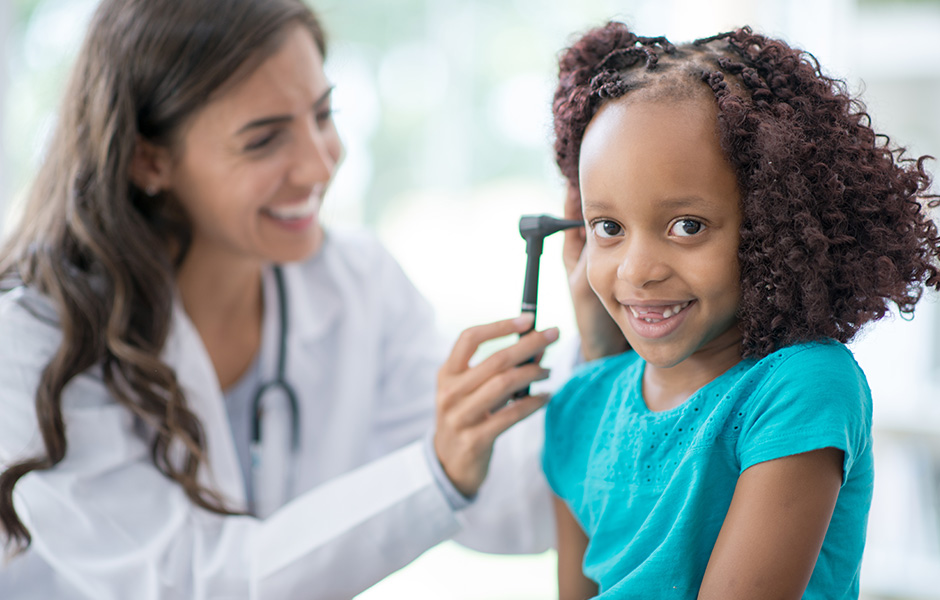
97	246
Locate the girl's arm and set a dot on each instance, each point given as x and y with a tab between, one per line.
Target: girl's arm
774	529
572	543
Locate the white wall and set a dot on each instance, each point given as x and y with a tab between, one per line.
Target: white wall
5	28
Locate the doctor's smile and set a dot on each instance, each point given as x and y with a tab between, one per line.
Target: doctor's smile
297	215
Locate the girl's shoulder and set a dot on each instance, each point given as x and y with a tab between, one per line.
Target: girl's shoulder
801	398
818	379
821	361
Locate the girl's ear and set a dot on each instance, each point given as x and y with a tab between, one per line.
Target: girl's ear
151	167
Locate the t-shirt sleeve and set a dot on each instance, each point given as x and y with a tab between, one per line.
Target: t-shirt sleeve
816	397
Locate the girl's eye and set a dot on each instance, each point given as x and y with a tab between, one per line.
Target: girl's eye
686	228
606	229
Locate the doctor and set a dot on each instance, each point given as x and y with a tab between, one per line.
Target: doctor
203	393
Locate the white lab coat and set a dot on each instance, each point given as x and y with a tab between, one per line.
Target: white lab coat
362	355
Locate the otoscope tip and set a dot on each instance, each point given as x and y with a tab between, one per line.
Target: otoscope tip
540	226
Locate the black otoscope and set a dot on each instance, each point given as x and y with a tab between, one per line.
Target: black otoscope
534	229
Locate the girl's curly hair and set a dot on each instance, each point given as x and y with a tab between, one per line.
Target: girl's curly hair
834	218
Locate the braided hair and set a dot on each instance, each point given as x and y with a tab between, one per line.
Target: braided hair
835	224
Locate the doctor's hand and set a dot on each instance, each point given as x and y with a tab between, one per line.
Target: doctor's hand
600	335
472	409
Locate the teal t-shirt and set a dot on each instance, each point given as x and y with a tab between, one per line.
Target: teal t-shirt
651	489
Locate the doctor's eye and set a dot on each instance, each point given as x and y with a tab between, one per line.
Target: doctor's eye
604	228
324	117
263	142
686	227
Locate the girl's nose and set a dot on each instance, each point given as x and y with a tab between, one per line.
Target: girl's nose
642	264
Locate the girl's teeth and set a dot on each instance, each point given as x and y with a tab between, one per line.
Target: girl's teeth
668	312
674	310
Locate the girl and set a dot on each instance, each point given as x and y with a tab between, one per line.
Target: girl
743	222
184	350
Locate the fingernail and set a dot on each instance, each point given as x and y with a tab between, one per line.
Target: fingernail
552	334
526	319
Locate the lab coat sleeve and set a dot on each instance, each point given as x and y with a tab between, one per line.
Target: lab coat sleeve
512	512
391	512
515	500
106	524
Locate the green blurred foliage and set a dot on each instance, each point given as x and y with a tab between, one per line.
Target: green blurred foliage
22	9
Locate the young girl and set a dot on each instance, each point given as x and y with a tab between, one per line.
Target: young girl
743	222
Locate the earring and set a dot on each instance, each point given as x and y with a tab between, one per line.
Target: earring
152	190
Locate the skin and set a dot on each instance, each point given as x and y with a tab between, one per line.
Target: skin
600	335
661	205
250	170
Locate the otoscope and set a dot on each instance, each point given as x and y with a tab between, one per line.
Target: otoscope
534	229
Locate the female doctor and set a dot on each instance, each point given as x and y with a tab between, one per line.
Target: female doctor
203	394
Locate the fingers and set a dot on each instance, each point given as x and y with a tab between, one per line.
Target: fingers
511	413
470	340
496	392
500	370
467	424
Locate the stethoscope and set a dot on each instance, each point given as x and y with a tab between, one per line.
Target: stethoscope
280	387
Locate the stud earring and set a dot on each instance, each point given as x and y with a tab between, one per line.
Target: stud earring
152	190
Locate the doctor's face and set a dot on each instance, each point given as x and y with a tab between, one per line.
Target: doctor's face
255	162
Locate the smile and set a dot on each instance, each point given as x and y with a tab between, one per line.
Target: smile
656	314
291	212
297	211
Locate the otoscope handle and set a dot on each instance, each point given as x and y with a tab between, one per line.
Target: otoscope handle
534	229
530	289
530	293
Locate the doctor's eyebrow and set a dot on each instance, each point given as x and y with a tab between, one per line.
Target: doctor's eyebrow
278	119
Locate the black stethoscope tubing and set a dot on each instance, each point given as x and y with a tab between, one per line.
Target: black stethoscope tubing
279	382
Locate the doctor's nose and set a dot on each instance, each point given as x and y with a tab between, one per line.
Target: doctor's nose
317	154
642	264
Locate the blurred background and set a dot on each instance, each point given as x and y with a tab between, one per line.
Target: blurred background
444	107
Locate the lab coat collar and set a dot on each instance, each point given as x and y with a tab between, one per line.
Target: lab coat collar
186	354
313	305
